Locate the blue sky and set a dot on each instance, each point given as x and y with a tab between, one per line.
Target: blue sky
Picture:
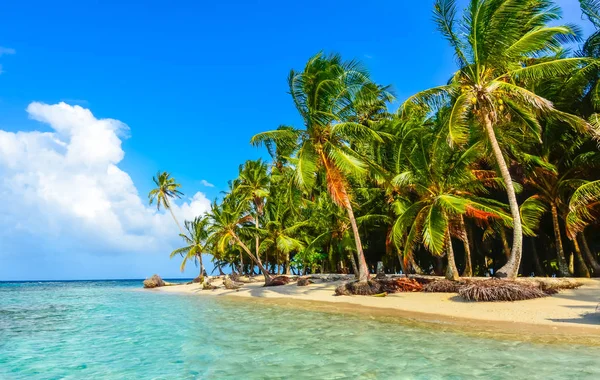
193	81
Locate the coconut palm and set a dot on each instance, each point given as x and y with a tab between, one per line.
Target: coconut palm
226	222
196	241
253	185
440	189
502	46
324	94
166	189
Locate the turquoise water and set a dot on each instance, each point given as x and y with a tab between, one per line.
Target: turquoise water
107	330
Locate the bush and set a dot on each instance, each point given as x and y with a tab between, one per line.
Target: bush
500	290
443	286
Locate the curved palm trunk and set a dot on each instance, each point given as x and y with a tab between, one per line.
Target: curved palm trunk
402	266
257	239
511	268
415	266
363	270
560	253
264	271
590	256
175	219
451	270
583	269
468	272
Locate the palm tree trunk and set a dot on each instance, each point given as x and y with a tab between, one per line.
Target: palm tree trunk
415	266
264	271
536	260
363	270
287	263
468	272
402	266
590	256
583	269
353	262
451	270
511	268
176	222
241	270
257	238
562	263
201	268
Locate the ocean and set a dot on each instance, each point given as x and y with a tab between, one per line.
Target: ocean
113	330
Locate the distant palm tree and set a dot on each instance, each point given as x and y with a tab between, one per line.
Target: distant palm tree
501	47
254	185
166	189
324	94
196	242
226	221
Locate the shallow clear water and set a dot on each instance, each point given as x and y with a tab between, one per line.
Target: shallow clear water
106	330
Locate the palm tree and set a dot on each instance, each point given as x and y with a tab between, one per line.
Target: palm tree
324	95
226	221
166	189
254	186
505	46
441	188
196	242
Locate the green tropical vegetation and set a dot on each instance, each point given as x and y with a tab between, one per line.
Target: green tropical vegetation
494	173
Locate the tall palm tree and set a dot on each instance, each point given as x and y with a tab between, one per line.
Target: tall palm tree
324	94
226	220
196	241
502	46
254	186
166	189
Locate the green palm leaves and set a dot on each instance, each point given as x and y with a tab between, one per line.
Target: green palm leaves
502	47
166	189
333	97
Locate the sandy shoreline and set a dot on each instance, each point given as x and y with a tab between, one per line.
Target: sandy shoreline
570	315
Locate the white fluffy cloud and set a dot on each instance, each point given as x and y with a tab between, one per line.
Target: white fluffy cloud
64	189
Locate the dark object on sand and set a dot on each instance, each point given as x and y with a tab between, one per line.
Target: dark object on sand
304	281
278	281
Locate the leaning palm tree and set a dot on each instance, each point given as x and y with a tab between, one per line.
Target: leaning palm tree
166	189
196	242
324	94
226	220
501	47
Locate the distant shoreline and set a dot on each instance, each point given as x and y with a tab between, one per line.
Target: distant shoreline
567	317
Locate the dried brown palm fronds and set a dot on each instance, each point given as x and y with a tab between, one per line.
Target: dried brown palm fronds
500	290
397	285
394	285
444	286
